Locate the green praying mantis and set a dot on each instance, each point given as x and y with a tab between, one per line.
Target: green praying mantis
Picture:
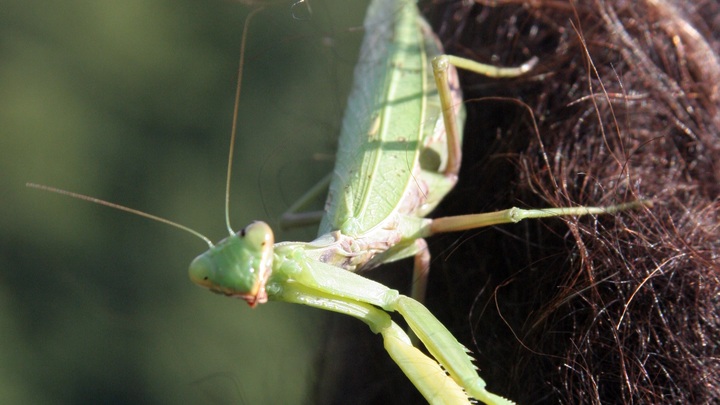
399	155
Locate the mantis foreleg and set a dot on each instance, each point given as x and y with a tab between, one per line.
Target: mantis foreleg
425	373
331	288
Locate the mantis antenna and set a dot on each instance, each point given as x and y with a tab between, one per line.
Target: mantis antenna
119	207
229	165
233	129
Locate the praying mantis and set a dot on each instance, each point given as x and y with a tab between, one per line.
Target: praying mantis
399	155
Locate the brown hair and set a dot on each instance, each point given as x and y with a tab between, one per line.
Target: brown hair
619	308
611	309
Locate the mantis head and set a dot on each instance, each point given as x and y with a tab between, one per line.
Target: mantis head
238	266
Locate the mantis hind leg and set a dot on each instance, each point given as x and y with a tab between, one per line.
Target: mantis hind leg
448	90
513	215
446	85
421	270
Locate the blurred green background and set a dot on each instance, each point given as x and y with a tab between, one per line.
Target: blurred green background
132	102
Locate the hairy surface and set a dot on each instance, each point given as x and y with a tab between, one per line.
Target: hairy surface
609	309
613	309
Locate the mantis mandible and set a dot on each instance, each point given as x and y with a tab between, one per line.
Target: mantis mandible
399	155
